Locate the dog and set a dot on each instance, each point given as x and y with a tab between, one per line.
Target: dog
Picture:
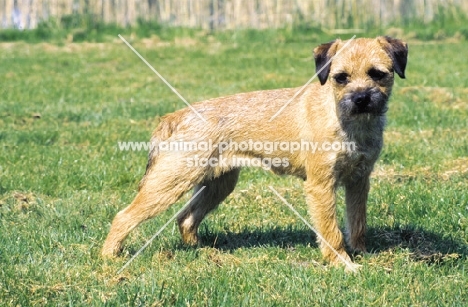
347	105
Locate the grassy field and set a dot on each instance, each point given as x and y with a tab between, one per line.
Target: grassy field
64	108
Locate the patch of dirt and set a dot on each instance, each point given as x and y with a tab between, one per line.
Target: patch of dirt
411	136
455	167
153	42
185	41
10	45
390	173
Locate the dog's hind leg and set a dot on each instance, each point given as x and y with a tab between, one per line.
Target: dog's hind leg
215	191
165	182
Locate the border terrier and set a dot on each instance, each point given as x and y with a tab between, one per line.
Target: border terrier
347	105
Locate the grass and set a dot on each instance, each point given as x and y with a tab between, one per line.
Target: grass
64	107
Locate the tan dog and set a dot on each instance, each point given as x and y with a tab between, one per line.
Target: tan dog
348	106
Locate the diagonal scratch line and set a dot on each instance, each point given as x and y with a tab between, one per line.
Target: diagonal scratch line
310	80
160	230
162	78
345	261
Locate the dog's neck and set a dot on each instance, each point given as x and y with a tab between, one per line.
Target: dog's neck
366	130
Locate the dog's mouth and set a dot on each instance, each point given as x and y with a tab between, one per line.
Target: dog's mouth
377	111
370	102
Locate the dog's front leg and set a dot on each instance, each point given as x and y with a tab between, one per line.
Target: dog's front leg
320	193
356	199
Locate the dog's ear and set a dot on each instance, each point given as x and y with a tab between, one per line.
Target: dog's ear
322	56
398	52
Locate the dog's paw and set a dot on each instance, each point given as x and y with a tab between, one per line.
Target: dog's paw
343	260
109	252
108	255
352	267
349	266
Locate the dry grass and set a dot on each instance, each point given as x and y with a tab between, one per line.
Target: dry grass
455	98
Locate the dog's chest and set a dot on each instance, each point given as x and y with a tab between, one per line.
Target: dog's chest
365	140
357	161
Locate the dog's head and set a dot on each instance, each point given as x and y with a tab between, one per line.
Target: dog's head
361	72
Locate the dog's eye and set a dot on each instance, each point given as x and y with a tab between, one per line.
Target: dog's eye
376	74
341	78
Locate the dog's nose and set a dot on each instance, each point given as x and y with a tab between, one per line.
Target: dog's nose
361	99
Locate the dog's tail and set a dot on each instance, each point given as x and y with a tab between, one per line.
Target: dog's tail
166	128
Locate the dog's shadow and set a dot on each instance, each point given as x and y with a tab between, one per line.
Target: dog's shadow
425	246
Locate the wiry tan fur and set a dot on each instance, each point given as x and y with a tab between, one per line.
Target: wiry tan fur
323	112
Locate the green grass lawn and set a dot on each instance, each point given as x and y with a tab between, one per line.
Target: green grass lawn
65	107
